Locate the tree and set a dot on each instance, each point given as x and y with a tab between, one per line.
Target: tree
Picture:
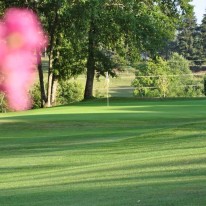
188	41
203	35
63	50
62	53
198	46
152	79
30	5
185	38
123	28
102	35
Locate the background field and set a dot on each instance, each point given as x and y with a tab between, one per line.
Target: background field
119	86
148	153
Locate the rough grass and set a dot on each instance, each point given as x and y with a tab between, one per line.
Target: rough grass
148	153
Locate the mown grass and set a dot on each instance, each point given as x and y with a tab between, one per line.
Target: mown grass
119	86
148	153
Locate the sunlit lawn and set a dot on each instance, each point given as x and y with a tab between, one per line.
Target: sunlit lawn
148	153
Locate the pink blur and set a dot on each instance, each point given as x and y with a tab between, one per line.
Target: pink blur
21	37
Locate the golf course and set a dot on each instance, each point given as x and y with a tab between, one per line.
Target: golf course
130	153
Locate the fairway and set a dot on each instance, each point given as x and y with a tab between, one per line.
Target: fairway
132	153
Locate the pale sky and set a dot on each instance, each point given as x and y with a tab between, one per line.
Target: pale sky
200	9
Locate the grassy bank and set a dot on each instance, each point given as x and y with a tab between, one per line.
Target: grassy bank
148	153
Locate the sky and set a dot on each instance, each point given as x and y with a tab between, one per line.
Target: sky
200	9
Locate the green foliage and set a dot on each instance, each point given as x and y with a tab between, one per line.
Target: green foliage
190	42
178	64
36	96
185	38
3	104
179	67
160	78
69	59
198	47
184	83
151	79
2	9
203	35
126	28
205	85
83	34
69	92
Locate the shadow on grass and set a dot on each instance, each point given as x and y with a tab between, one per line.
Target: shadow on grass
117	158
116	192
47	133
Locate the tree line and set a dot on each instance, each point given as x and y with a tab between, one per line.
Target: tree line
98	36
190	41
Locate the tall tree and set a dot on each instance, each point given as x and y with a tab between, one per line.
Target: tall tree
62	57
203	35
99	35
31	5
198	46
123	28
185	38
188	41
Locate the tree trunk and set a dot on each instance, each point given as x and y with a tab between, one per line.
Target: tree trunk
41	80
88	93
54	90
49	83
52	29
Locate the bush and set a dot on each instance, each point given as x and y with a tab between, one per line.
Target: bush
3	104
36	96
151	79
183	84
69	92
161	78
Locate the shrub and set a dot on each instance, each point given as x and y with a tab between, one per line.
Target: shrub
184	83
3	104
69	92
151	79
36	96
161	78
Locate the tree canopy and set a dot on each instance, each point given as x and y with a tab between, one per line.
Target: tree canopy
101	36
203	35
125	29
